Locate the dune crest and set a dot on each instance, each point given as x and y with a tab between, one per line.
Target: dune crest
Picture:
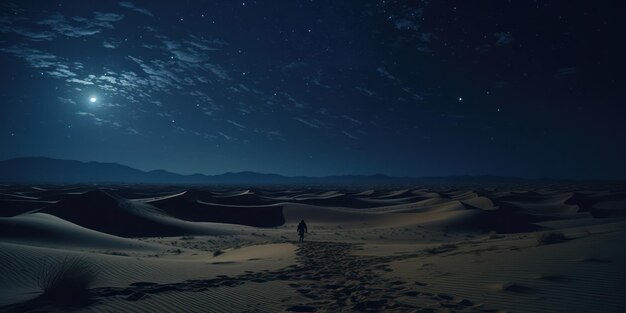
198	249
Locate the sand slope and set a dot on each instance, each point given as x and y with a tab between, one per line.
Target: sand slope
419	249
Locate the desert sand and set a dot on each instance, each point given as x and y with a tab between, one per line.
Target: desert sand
552	248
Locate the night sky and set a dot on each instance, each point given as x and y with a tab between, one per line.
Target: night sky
405	88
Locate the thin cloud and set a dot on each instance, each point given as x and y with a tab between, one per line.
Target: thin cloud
79	81
503	38
313	125
365	91
31	35
347	134
351	119
81	26
227	137
131	6
405	24
296	103
34	57
565	72
384	73
111	44
235	123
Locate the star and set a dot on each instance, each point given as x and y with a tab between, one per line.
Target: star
317	89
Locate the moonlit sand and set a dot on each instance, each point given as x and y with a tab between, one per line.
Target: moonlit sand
438	249
446	156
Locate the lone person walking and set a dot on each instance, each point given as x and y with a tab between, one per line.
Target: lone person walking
301	230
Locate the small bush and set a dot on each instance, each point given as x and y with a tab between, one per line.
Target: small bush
218	252
116	253
547	238
187	238
68	281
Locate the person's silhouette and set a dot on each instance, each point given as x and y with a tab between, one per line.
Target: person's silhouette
302	229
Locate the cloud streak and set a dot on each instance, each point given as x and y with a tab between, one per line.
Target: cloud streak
131	6
384	73
307	123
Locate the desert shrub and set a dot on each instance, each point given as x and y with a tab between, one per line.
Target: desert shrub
68	281
547	238
187	238
218	252
116	253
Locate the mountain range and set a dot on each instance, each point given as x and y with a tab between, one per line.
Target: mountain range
56	171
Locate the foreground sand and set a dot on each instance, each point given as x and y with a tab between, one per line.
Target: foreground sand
175	249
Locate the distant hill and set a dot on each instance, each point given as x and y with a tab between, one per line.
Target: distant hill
55	171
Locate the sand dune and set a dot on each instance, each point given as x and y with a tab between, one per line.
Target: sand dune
547	278
12	207
105	212
191	207
199	249
118	271
40	229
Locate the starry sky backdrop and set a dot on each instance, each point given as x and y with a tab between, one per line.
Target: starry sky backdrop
410	88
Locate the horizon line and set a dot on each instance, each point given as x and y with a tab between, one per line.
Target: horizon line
326	176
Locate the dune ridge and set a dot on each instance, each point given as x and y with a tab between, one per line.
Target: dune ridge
468	249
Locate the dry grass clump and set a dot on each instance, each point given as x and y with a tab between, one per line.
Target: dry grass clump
116	253
67	282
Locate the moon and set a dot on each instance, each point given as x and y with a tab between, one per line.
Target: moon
93	99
